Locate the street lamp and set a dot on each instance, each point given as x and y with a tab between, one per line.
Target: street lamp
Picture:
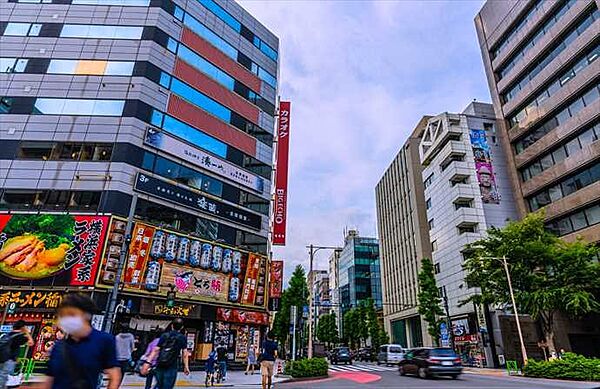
312	249
514	304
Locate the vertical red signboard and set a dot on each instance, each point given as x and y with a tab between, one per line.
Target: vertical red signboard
139	249
276	279
281	174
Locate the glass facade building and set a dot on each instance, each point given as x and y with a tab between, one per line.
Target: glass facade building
85	83
359	272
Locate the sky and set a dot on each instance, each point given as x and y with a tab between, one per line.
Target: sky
360	75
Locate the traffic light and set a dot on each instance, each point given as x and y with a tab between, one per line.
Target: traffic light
171	299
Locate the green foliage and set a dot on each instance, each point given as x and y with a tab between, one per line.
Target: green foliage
52	229
295	294
429	299
302	368
327	330
570	367
361	324
548	274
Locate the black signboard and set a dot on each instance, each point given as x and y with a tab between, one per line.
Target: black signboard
187	198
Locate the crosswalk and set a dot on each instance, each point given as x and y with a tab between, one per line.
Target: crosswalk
355	367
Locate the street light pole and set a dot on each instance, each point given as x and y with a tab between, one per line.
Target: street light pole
512	297
514	304
312	249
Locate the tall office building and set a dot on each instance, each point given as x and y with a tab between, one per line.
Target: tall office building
467	191
403	242
359	274
541	60
170	103
173	100
334	291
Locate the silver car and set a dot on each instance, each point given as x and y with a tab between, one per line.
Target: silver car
390	354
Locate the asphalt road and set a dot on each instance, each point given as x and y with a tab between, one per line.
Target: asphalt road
365	377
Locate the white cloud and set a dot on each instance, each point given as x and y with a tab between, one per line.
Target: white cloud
360	75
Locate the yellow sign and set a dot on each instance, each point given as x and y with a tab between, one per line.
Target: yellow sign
49	300
178	310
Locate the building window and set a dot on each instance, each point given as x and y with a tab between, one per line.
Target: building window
434	245
428	181
436	268
586	99
577	221
12	65
567	186
463	203
428	203
467	228
431	224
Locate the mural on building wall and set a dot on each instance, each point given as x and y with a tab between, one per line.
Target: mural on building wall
484	167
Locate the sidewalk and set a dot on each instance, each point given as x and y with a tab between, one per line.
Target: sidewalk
486	371
196	380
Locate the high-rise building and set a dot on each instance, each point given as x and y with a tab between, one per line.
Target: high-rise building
163	107
467	191
359	274
403	242
172	100
541	61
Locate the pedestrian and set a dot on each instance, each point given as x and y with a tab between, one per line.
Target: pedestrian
77	361
125	345
155	336
251	360
268	357
210	368
11	344
222	359
170	347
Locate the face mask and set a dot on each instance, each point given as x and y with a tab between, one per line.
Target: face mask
71	324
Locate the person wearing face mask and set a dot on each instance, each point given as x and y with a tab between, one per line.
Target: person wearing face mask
77	361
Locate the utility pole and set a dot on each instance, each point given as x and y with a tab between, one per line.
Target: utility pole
312	249
112	301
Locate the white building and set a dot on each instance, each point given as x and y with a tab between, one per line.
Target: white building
467	191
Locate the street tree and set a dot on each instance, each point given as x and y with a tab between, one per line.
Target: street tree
429	299
296	294
549	276
327	331
352	323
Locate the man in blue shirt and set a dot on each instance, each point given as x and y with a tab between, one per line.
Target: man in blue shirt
268	356
77	361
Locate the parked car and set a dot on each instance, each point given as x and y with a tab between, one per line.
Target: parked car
341	354
427	362
366	354
390	354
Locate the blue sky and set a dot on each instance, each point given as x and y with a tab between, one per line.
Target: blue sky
360	74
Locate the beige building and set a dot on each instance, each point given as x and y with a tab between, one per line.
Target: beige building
541	60
403	242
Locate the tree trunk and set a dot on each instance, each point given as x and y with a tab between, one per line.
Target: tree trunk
548	328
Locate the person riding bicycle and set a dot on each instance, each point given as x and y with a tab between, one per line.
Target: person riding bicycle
211	364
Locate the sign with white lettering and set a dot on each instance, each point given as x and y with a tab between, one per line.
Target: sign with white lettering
166	191
281	174
197	157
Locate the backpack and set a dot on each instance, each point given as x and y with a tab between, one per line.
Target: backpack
6	346
169	351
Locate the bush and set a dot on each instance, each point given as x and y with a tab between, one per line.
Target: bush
314	367
570	367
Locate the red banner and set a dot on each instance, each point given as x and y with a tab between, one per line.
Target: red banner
276	279
252	272
139	249
281	174
63	246
241	316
